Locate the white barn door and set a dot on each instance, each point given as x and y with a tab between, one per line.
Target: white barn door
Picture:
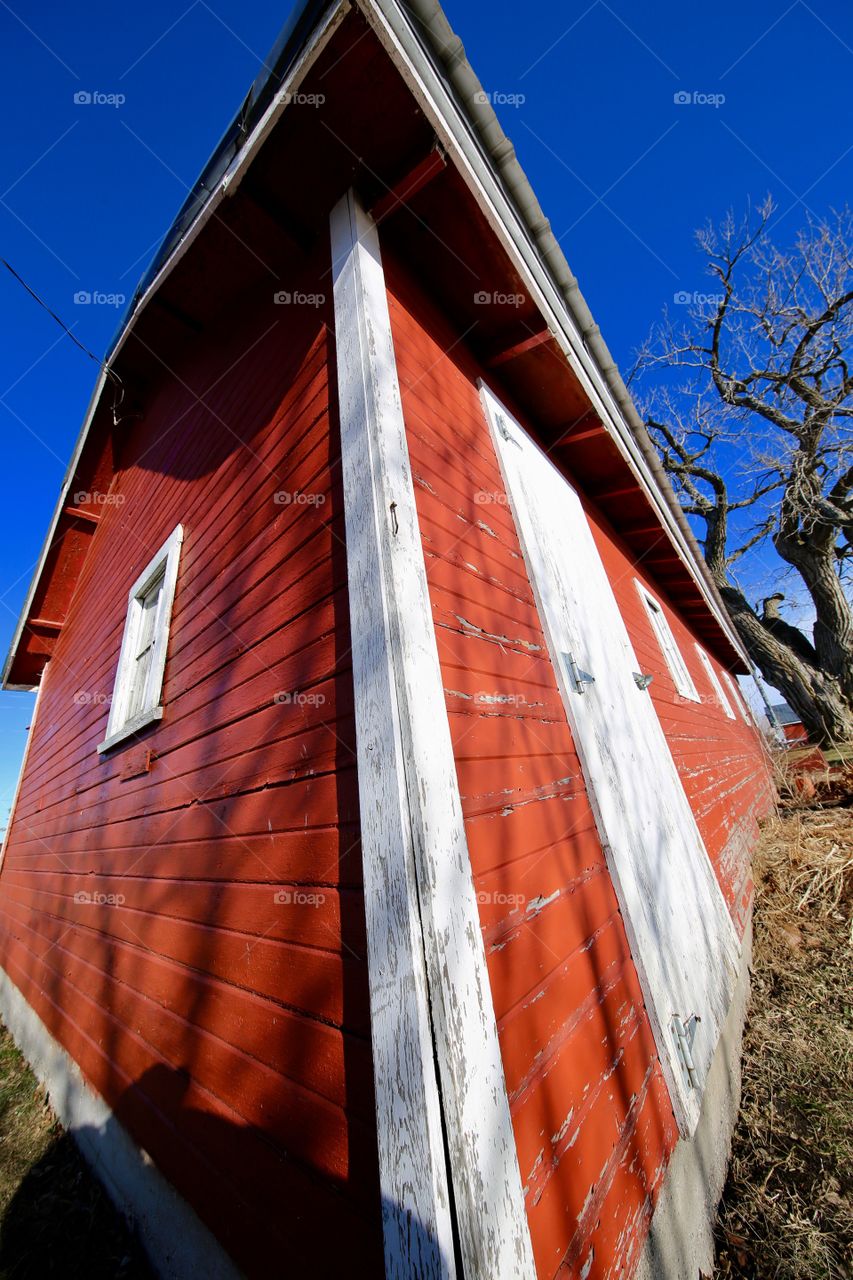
681	935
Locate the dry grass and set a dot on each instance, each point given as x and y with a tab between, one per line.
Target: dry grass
27	1124
787	1212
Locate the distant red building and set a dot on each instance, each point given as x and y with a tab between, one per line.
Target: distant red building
792	726
377	892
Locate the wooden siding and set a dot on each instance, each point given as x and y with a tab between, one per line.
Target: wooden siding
722	762
592	1119
193	935
590	1110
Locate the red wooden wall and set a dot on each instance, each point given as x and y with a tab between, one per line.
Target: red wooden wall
722	762
591	1114
194	935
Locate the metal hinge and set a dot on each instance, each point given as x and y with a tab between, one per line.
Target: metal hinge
579	677
504	430
684	1033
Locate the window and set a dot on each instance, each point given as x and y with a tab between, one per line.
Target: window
736	698
718	688
142	661
677	666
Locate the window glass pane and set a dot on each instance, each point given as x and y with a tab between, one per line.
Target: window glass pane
149	604
715	683
671	652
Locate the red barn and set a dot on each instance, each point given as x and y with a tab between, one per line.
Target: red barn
377	890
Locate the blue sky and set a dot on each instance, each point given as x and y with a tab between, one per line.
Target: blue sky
585	90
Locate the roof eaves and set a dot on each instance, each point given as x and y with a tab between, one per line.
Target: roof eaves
427	26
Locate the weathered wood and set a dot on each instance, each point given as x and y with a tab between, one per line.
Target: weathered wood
417	1228
241	932
682	938
491	1219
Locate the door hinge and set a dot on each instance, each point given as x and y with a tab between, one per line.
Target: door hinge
503	429
684	1034
579	678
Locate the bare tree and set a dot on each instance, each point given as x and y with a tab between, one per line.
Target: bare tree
749	402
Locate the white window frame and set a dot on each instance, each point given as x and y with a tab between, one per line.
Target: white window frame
120	726
737	697
668	647
724	702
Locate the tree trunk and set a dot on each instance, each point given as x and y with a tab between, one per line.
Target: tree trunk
815	697
833	631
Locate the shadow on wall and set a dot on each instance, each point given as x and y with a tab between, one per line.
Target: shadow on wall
62	1223
207	912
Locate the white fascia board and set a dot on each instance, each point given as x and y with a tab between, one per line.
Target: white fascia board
61	503
428	84
236	171
22	770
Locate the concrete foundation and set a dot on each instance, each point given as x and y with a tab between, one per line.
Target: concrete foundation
680	1244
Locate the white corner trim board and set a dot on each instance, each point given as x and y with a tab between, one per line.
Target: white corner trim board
419	894
681	935
418	1233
